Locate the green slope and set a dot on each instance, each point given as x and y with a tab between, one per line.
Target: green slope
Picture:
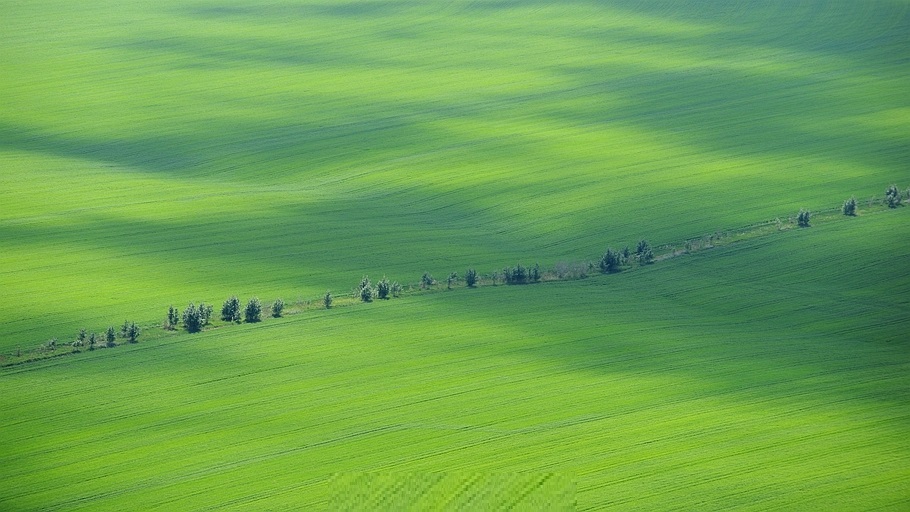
160	153
768	375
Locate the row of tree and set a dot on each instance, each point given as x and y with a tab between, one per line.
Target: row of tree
129	332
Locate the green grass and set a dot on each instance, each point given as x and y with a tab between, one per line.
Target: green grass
771	374
162	153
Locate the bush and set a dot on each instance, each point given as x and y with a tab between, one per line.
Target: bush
205	313
365	290
470	278
192	318
534	273
92	339
396	289
277	308
452	279
893	197
610	262
82	337
173	318
109	337
327	300
230	310
383	288
849	207
802	220
252	313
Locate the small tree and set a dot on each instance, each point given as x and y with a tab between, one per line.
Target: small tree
644	252
277	308
173	318
396	289
327	299
92	339
426	281
252	313
230	310
893	197
109	336
610	261
383	288
470	278
452	279
205	313
51	344
849	207
82	337
516	275
133	332
192	318
365	290
534	273
802	220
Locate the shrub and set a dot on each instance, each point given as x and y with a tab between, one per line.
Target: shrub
610	261
327	299
51	344
277	308
109	337
92	339
173	318
849	207
252	313
230	310
470	277
893	197
426	281
383	288
802	220
192	318
452	279
396	289
82	337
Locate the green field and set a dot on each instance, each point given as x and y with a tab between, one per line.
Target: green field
166	152
772	375
154	154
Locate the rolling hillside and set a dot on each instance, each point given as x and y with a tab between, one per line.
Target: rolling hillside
156	154
770	375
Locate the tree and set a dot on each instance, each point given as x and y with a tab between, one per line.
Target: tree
644	252
849	207
534	273
383	288
893	197
610	261
92	339
192	318
802	220
452	279
327	299
516	275
82	336
252	313
173	318
109	337
230	310
426	281
205	313
365	290
396	289
470	277
133	332
277	308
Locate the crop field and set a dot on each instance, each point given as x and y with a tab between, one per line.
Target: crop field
770	375
167	152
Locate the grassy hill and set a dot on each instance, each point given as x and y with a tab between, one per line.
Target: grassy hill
154	154
768	375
